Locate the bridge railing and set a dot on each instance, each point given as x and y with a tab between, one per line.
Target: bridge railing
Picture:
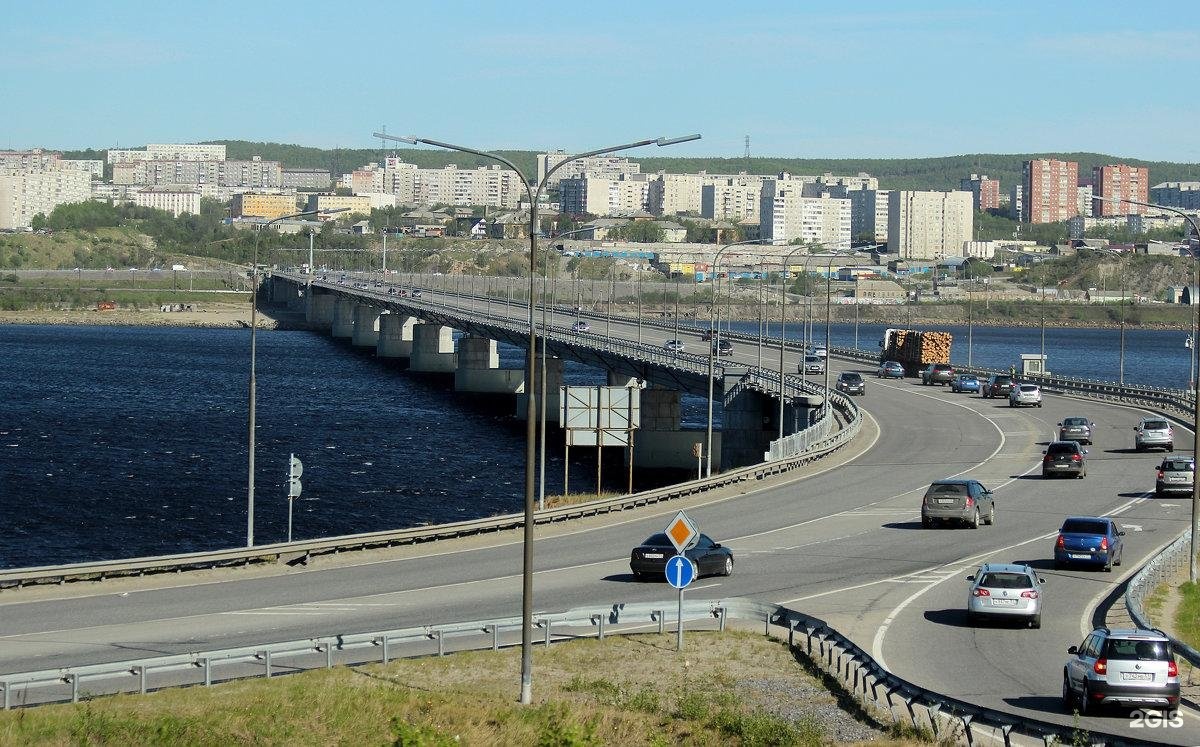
883	695
1161	569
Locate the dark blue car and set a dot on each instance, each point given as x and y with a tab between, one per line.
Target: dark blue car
1089	540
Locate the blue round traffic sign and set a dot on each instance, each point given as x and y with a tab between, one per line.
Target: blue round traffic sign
680	571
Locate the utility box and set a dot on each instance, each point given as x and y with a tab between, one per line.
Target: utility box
1033	364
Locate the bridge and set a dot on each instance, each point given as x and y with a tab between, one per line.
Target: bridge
837	539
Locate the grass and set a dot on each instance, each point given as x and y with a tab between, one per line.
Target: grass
624	690
1187	614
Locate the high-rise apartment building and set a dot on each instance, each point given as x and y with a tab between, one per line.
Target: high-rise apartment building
673	194
600	197
29	160
306	179
174	201
869	214
785	215
731	198
24	194
1114	183
487	185
985	192
255	205
169	152
255	173
1184	195
604	167
1051	191
927	225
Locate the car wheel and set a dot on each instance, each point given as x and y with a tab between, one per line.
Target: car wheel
1012	404
992	516
1084	709
1170	447
1035	622
1039	404
727	569
926	523
1158	493
974	523
1108	565
1068	699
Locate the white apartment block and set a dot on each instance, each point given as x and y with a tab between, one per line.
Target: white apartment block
869	213
169	152
785	215
255	173
490	186
673	194
1085	200
604	197
731	198
605	167
174	201
28	160
928	225
24	195
307	178
95	167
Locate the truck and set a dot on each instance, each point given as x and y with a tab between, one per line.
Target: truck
914	349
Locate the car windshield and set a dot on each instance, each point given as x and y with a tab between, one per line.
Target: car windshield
1062	448
851	378
1006	581
1137	650
1155	425
1178	465
812	359
1084	526
658	540
1075	421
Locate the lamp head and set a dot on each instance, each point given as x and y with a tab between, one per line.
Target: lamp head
660	142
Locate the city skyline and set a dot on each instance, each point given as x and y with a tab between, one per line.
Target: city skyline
934	79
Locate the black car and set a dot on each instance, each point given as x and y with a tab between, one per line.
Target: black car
999	385
723	347
649	559
851	383
1065	458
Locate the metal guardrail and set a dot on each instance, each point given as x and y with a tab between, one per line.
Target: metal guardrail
1161	569
881	694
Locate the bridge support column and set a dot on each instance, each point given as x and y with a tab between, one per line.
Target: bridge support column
318	308
343	319
366	326
479	368
395	336
554	382
749	424
433	349
660	442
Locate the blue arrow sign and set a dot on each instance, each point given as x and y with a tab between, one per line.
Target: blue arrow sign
681	571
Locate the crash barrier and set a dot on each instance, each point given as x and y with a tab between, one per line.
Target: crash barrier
1163	568
883	695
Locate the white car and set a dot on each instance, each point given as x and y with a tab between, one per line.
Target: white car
673	346
819	351
1025	395
580	326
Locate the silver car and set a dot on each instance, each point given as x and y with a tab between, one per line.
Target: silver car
959	501
813	364
1025	395
1003	590
1075	429
1154	433
1122	667
1175	474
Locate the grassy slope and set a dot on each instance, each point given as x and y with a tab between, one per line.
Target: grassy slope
64	250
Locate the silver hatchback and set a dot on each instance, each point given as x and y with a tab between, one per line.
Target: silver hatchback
959	501
1025	395
1154	433
1003	590
1130	668
1175	475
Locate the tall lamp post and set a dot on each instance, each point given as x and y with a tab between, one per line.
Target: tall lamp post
712	350
253	360
828	313
531	408
1192	571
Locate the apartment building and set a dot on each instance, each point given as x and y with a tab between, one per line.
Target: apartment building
604	197
785	215
369	178
928	225
1085	204
95	167
306	179
674	194
255	173
731	198
1185	195
985	192
24	194
168	152
604	167
353	204
869	213
174	201
28	160
1016	201
1117	182
258	205
1050	191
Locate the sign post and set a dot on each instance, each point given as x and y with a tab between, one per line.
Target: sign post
295	470
681	570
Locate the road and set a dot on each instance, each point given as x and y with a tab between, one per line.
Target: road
844	543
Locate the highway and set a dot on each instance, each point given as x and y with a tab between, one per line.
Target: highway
843	542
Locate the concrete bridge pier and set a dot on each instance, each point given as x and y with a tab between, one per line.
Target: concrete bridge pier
554	382
749	424
366	326
479	368
395	336
342	325
660	442
318	308
433	349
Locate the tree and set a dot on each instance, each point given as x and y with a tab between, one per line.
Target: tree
38	222
639	231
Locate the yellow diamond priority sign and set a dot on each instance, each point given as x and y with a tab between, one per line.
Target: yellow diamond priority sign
682	532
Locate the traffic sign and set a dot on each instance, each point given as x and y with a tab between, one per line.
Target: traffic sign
682	532
294	487
295	469
681	571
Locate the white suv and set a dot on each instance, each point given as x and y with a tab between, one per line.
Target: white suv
1025	395
1130	668
1153	433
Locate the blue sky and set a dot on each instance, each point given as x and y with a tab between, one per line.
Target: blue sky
802	79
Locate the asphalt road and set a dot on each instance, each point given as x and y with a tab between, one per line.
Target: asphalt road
844	544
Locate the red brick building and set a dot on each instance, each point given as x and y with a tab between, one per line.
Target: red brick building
1051	191
1116	182
986	191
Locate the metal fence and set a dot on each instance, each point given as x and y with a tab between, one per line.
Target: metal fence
1162	569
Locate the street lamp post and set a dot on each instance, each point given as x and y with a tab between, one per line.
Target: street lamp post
1192	570
712	350
531	361
828	304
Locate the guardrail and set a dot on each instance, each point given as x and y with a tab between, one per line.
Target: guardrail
1161	569
883	695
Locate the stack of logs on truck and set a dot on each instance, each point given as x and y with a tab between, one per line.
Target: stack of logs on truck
915	350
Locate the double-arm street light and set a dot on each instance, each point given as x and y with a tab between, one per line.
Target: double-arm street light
828	314
1192	571
531	361
253	355
714	340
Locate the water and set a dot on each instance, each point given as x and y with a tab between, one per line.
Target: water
121	442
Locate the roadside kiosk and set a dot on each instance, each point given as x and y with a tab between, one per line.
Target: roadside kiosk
1033	364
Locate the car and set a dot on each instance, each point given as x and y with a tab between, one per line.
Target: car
819	350
707	335
937	373
890	370
1091	540
812	364
849	382
997	385
1126	667
580	326
1005	591
673	346
391	291
722	347
1025	395
1064	458
964	383
1175	474
416	293
1076	429
649	559
1154	433
959	501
